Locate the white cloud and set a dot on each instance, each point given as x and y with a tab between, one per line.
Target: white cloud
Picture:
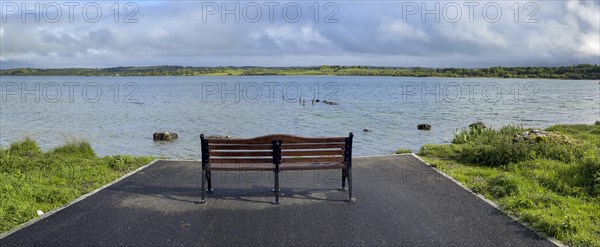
590	45
479	33
399	30
288	35
586	12
576	33
94	52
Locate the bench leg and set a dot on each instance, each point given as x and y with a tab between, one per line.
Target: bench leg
203	193
208	176
350	198
344	175
276	188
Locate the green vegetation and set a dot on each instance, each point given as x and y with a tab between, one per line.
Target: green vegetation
582	71
549	179
403	151
32	180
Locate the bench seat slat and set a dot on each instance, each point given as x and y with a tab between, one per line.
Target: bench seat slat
213	154
311	159
241	167
285	146
265	147
312	166
311	152
241	160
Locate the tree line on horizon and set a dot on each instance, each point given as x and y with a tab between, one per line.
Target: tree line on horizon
577	72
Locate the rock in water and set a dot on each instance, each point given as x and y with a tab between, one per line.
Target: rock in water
423	127
477	125
164	136
367	130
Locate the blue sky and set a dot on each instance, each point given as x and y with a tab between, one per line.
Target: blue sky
246	33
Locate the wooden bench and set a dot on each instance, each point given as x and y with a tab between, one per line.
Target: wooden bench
276	153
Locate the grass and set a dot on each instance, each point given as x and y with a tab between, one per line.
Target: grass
32	180
551	181
403	151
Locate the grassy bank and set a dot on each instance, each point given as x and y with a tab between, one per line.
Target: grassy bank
32	180
549	179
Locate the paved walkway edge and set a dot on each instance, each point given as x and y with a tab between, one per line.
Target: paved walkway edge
491	203
28	223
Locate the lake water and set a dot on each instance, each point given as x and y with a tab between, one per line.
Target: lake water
118	115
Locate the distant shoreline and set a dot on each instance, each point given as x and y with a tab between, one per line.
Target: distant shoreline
440	77
574	72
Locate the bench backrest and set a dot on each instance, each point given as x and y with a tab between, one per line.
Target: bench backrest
296	149
225	150
288	149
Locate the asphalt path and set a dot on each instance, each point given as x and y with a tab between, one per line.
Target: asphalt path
400	201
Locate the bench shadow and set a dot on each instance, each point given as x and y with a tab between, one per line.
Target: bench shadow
255	194
162	192
247	195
